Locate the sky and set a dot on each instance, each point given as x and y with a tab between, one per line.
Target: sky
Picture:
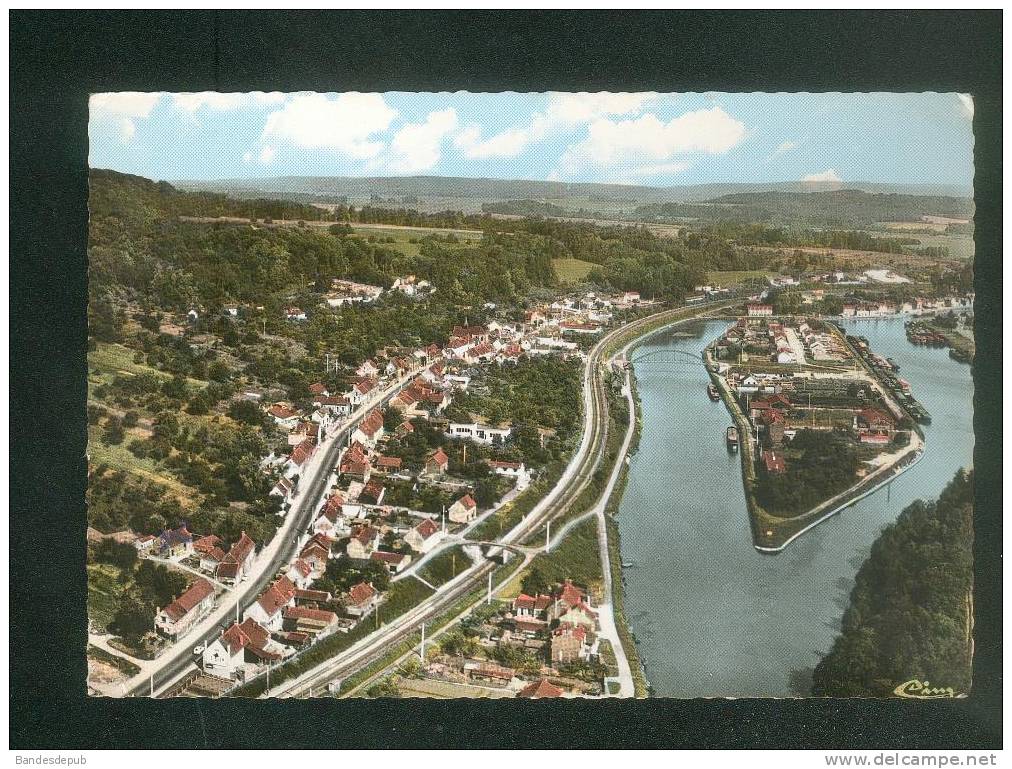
630	138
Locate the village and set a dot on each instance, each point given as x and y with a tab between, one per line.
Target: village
407	484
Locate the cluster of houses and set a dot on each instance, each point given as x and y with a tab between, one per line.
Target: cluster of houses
783	342
559	629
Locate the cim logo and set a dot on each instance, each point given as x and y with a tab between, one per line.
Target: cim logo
923	690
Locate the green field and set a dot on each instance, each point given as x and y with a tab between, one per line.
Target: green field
108	360
572	270
402	237
445	566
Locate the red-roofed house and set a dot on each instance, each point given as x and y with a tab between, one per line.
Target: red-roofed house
238	645
360	599
238	562
180	615
267	610
540	690
370	429
425	536
300	572
569	643
395	562
773	461
437	462
316	622
364	540
463	510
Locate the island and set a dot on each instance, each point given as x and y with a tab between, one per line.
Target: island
820	420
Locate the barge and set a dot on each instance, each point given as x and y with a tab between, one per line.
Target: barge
732	438
711	390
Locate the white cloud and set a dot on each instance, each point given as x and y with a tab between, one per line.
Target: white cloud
418	146
267	154
967	102
565	111
123	110
647	140
190	103
507	144
829	175
346	124
247	157
130	104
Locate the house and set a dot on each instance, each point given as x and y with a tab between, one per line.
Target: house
423	537
370	429
369	370
569	644
267	610
395	562
364	540
236	564
576	327
316	552
389	464
569	595
756	310
300	572
540	690
174	543
300	455
283	415
437	462
773	461
295	313
463	510
531	607
873	419
318	389
509	469
630	297
360	599
488	673
240	644
184	612
373	493
359	391
145	543
284	488
315	622
478	432
211	559
328	522
332	405
307	596
577	615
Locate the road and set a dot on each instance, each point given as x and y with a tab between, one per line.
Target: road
162	673
578	474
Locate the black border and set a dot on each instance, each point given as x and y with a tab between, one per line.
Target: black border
58	57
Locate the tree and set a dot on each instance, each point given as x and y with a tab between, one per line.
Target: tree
133	618
157	584
120	554
114	432
534	582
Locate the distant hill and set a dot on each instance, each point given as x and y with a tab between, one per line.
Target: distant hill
831	208
436	193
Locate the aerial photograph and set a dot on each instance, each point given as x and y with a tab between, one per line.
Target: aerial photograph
530	395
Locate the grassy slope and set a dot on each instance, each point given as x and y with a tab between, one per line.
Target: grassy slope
572	270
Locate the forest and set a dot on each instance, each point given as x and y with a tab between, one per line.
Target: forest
911	609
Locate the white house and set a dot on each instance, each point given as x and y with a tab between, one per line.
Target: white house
239	645
508	469
480	433
463	510
425	536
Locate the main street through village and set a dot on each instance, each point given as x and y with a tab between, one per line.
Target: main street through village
157	676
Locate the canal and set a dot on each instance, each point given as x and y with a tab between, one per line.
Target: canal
712	616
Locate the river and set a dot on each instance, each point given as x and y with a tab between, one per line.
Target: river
712	616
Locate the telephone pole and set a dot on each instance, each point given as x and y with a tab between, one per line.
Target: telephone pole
488	597
548	531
